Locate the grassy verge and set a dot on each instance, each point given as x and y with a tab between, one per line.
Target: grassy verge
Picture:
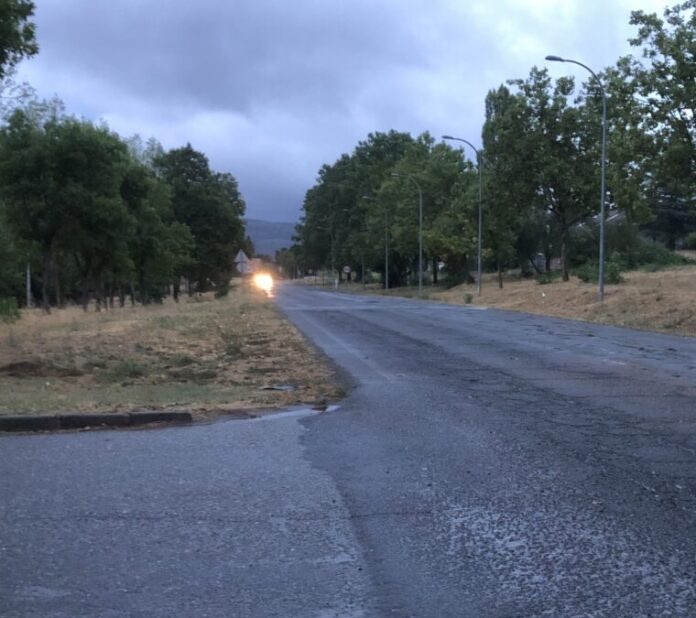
205	355
662	301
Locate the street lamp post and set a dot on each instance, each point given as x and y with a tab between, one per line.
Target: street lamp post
602	197
479	161
420	229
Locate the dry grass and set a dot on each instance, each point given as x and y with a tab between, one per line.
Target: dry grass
663	301
204	355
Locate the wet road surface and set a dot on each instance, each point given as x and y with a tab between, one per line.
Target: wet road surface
485	463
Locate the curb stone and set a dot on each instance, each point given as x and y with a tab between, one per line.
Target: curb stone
81	421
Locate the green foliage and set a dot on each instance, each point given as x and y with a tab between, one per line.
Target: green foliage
560	144
510	183
129	368
358	209
589	272
691	241
223	290
468	298
547	277
210	205
95	216
9	311
666	84
17	33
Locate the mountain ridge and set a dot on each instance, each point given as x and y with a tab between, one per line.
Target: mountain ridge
269	236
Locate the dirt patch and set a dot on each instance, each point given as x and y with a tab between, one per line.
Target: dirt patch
37	368
209	356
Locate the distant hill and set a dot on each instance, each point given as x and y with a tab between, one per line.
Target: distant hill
269	236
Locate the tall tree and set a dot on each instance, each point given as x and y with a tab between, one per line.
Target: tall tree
159	246
510	181
562	142
61	181
666	92
211	206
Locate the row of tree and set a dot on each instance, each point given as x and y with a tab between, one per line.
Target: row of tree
101	217
94	215
540	163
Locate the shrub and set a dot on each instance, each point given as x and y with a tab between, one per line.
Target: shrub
546	278
468	298
691	241
129	369
589	272
653	253
9	311
222	290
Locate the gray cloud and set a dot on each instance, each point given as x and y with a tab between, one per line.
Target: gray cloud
271	90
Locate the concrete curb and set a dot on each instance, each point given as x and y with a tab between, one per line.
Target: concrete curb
81	421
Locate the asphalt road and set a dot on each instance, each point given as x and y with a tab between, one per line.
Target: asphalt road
485	464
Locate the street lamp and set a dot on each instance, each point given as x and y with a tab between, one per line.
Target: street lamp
420	229
602	195
386	243
479	161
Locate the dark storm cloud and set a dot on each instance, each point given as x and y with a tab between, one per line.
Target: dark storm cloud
271	90
230	55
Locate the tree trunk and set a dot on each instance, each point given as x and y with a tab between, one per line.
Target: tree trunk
499	265
121	297
57	288
85	295
434	263
564	254
46	259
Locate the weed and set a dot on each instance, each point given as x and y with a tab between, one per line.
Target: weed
547	278
231	341
129	369
166	321
468	298
181	360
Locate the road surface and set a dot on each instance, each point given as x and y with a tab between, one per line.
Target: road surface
485	463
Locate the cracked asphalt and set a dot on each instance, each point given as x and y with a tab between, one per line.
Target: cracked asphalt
485	463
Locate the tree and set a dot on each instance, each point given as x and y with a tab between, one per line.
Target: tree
159	246
561	142
510	181
61	182
211	206
17	33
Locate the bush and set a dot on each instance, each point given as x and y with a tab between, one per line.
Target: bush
626	242
650	252
468	298
9	311
129	369
546	278
589	272
691	241
222	290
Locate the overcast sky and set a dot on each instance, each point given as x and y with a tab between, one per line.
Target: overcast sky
270	90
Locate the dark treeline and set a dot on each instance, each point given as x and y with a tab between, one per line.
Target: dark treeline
96	217
540	160
92	215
